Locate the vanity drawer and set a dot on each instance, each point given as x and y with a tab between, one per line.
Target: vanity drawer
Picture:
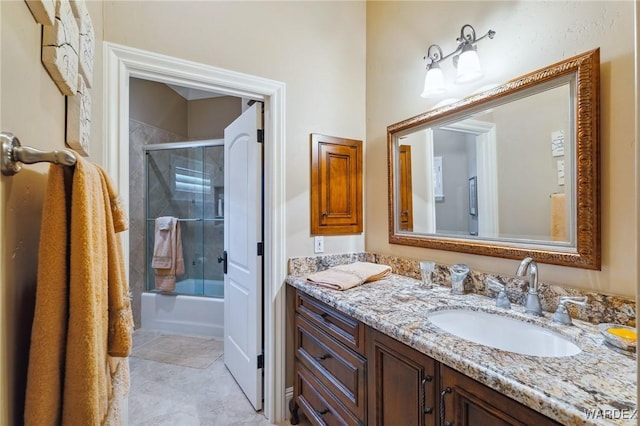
318	404
341	370
346	330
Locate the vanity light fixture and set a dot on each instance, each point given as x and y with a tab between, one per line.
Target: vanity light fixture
465	59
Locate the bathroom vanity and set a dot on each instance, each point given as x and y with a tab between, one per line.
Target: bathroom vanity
370	355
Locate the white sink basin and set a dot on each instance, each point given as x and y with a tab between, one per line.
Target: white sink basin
503	333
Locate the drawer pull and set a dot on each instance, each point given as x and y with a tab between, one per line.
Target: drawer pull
423	392
323	357
324	315
442	408
322	412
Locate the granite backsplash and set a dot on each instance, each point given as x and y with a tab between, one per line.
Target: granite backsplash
600	308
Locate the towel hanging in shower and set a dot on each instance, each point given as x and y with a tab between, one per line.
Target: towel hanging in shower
167	259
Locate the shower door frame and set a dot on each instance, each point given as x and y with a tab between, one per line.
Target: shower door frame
121	63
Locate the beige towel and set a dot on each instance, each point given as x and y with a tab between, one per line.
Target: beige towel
344	277
558	217
164	238
82	313
168	260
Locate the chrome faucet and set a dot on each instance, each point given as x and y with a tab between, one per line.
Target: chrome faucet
532	305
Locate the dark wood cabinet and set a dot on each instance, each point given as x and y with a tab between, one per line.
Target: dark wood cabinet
402	383
349	374
466	402
330	366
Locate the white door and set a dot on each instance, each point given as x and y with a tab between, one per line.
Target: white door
242	233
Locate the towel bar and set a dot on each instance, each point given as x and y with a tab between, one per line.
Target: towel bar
13	154
189	220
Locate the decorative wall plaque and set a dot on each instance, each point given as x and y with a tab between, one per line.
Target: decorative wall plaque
60	47
79	119
87	40
44	11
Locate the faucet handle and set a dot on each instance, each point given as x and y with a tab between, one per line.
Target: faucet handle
562	315
502	301
578	300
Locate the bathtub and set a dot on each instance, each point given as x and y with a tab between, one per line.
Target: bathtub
186	314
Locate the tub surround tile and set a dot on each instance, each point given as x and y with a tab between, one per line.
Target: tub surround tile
600	308
561	388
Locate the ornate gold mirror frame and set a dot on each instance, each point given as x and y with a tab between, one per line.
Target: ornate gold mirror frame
585	253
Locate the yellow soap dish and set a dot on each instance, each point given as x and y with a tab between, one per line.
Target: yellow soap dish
619	336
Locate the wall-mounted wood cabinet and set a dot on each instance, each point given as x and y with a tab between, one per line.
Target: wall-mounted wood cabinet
336	185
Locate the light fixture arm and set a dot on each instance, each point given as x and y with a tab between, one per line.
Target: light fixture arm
467	38
470	36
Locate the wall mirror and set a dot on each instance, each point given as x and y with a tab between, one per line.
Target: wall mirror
510	172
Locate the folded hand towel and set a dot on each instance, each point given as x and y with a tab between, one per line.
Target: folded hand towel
164	223
343	277
163	244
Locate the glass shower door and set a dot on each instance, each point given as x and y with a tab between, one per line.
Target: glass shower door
178	186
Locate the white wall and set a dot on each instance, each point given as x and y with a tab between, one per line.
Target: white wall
316	48
529	35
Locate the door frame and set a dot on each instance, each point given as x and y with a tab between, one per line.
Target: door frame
487	168
121	63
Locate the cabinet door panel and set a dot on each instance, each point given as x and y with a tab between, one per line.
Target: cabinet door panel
471	403
402	383
336	185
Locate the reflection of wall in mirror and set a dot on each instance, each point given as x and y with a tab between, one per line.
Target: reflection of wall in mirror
527	170
457	150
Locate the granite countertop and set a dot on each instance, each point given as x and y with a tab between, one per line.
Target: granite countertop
597	380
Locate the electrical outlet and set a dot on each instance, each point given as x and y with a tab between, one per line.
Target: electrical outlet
318	244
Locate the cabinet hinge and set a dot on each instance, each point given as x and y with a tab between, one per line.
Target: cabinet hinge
260	136
260	249
260	361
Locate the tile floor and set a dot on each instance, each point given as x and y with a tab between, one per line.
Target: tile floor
165	393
